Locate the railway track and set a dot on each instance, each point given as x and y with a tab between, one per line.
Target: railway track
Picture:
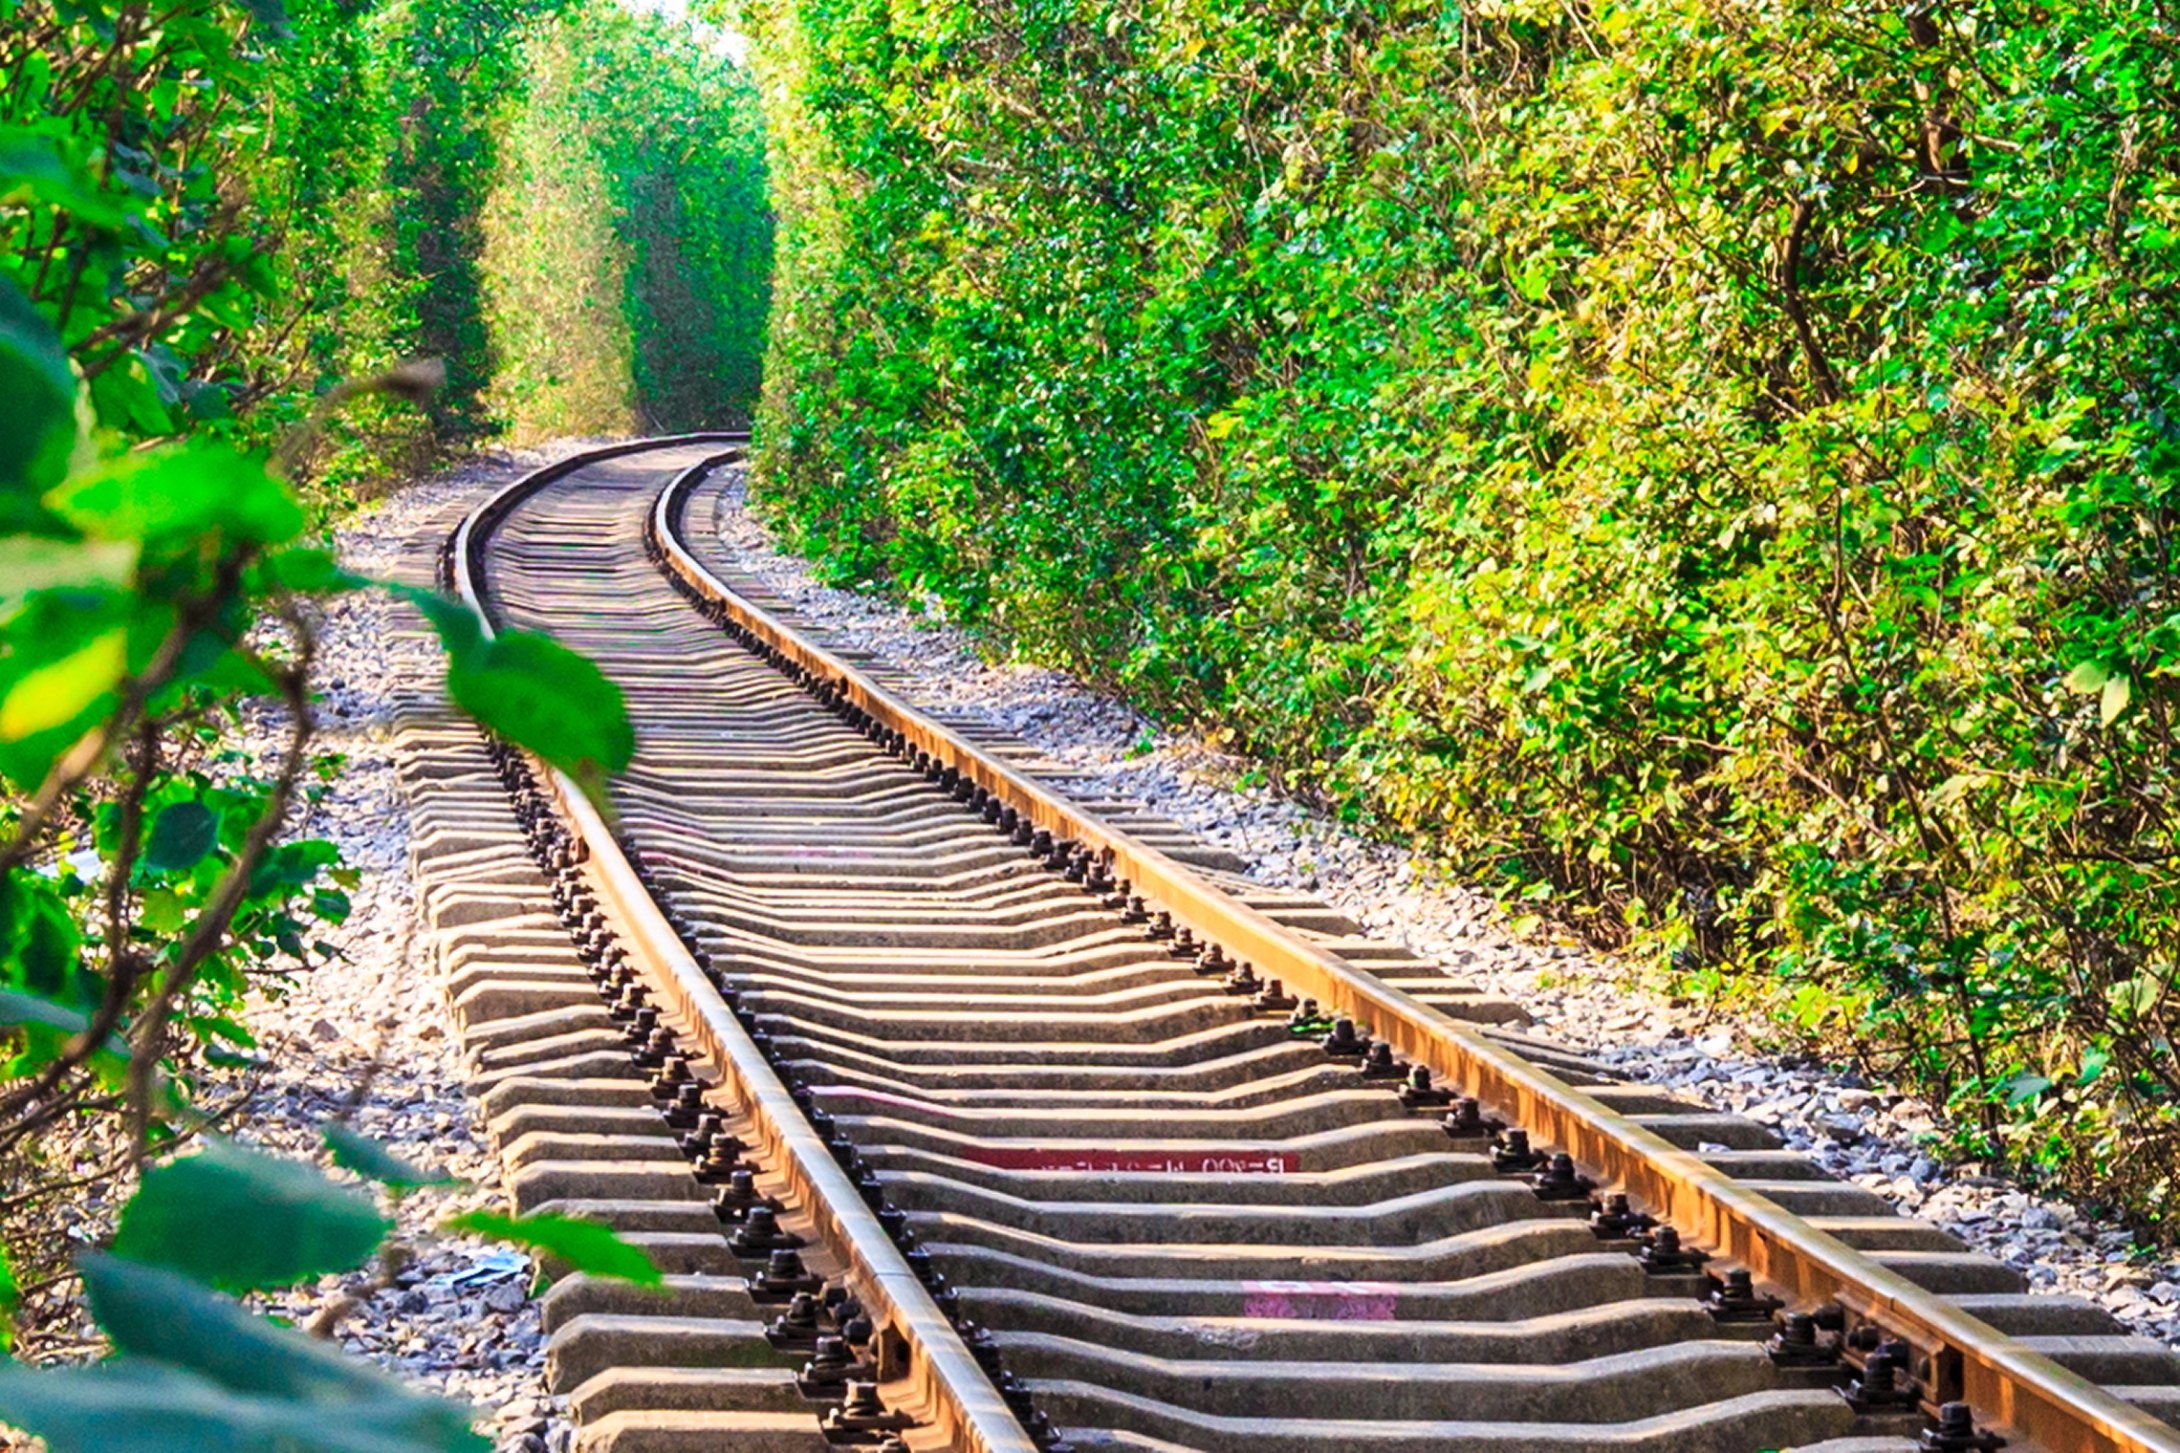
970	1108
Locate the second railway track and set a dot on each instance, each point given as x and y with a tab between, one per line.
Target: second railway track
874	1013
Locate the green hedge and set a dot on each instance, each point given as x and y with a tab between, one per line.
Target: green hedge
1708	465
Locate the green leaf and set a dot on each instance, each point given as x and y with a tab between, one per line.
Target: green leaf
539	694
181	492
270	14
149	1407
457	625
535	692
39	942
37	407
307	570
373	1161
2025	1087
31	563
245	1221
17	1007
2094	1064
584	1245
159	1318
2087	677
126	397
181	837
2118	691
56	694
32	168
11	1298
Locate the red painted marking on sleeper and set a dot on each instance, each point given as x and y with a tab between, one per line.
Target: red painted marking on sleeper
1154	1162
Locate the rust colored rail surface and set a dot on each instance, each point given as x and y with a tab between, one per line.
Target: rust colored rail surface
2035	1399
969	1412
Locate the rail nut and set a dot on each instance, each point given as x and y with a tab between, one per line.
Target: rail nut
798	1326
739	1196
1956	1432
1798	1343
1418	1093
1736	1300
981	1343
1213	960
1242	982
1466	1120
670	1070
722	1158
1511	1153
761	1237
708	1128
1663	1255
1308	1021
1616	1220
783	1276
1274	999
831	1366
687	1105
861	1417
1378	1063
1184	944
1883	1385
1343	1042
1558	1180
1016	1394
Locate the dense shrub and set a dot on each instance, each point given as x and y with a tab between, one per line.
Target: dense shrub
627	249
1708	464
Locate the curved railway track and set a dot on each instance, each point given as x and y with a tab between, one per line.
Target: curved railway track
968	1107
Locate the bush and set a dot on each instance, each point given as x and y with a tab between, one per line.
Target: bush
1709	466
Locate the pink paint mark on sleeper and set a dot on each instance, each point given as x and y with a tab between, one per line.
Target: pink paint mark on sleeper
1322	1301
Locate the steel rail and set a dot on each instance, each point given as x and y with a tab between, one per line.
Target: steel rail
946	1379
1959	1357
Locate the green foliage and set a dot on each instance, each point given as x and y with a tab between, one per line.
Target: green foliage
536	693
585	1246
241	1220
1710	467
145	890
627	241
373	1161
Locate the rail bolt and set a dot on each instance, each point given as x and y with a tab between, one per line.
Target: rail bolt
1663	1255
687	1105
1798	1344
1558	1180
859	1415
1882	1387
783	1276
1419	1093
1274	998
1616	1220
797	1327
1511	1153
761	1237
1957	1432
1378	1062
738	1196
1736	1300
1343	1042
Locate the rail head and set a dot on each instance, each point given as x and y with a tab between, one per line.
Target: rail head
968	1409
1968	1360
